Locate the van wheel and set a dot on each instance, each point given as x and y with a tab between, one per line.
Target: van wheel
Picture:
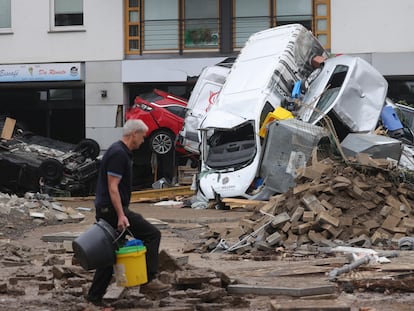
162	142
51	169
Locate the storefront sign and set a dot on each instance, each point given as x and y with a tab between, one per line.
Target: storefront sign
40	72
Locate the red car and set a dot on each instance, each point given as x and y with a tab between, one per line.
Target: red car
164	115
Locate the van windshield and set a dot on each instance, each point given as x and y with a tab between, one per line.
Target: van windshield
234	148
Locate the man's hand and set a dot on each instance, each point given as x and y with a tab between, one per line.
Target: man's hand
123	223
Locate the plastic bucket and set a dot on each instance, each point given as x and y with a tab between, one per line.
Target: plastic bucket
278	114
131	268
392	122
390	119
95	248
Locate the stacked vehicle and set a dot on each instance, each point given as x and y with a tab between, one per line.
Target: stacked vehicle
260	80
284	73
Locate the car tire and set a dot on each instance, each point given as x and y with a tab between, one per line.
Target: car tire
89	148
162	142
51	170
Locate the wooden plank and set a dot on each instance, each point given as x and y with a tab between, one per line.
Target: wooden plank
143	195
154	194
243	203
8	128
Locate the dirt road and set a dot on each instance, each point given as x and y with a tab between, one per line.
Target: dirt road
264	281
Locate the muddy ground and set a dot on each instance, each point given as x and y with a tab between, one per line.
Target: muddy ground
22	238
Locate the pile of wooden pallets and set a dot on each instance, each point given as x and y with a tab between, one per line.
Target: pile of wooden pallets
186	174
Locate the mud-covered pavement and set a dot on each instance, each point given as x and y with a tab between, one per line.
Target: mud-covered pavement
28	280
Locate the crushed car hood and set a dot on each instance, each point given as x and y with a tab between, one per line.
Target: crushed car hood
350	87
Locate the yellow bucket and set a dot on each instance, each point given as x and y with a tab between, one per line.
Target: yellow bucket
130	267
278	114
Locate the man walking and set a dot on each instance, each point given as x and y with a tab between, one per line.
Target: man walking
113	194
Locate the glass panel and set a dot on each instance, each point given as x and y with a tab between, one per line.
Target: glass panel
321	25
201	18
133	31
161	26
133	16
60	94
323	39
68	13
293	11
5	14
321	10
251	17
65	6
133	45
293	7
133	3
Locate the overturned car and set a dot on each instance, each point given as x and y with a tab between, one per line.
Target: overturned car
39	164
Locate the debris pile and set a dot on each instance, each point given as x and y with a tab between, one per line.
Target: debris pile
37	279
361	203
21	214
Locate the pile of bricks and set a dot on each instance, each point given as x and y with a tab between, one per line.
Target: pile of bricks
358	204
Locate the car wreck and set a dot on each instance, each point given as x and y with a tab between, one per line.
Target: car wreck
32	163
241	159
260	80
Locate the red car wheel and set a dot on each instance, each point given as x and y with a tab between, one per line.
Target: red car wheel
162	142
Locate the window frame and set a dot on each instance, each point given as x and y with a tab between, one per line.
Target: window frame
182	47
127	24
70	28
203	47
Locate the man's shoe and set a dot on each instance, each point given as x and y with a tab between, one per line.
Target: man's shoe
97	302
154	286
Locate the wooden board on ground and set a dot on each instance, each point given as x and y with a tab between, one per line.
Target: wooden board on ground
243	203
149	195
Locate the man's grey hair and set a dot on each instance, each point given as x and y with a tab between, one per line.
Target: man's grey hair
134	125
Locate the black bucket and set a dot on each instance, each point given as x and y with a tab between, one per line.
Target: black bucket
95	248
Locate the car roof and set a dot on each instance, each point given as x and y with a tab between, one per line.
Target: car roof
160	98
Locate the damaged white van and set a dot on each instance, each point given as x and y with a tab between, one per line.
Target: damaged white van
261	79
203	97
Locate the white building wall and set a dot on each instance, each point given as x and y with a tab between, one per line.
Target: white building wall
101	113
31	39
372	26
376	30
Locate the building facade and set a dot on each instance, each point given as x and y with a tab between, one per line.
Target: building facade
69	69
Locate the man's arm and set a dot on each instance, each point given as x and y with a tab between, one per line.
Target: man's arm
113	182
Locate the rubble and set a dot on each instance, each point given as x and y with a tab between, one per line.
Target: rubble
33	209
60	275
364	203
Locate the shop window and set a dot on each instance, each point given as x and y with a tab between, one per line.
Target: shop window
5	15
67	13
